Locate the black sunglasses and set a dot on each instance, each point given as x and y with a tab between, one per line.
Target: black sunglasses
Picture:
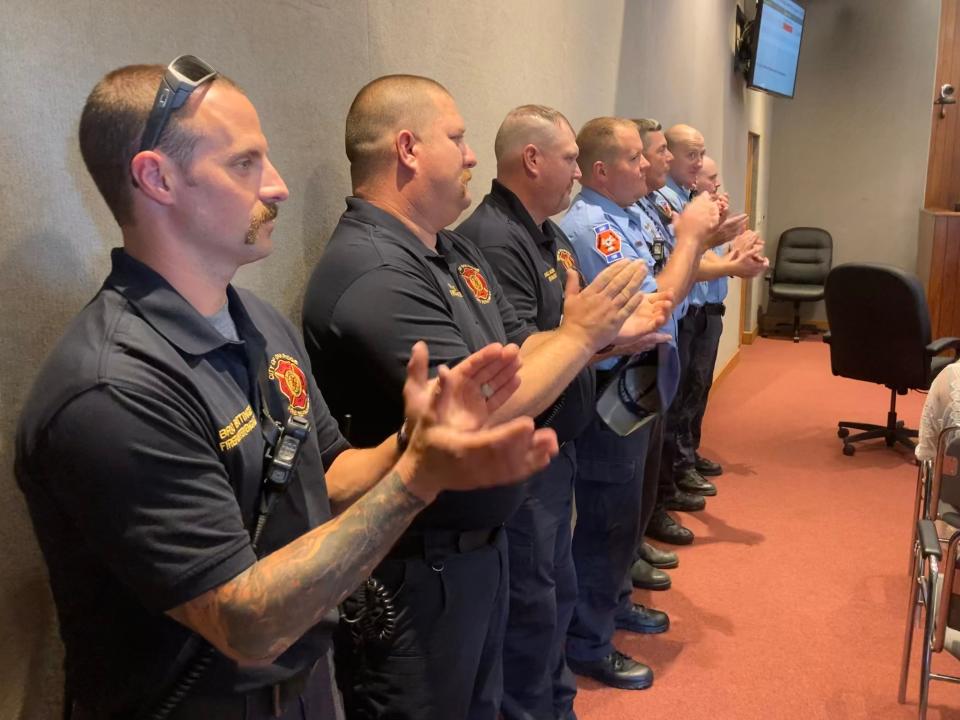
184	75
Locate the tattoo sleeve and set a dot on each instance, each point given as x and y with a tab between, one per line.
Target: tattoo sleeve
261	612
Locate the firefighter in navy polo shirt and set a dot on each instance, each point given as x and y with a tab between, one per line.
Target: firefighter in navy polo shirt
536	154
391	272
189	585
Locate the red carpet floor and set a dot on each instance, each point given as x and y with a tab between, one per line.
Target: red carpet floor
791	602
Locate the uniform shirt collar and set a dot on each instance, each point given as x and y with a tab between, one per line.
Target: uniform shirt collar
390	226
509	203
166	310
683	192
604	203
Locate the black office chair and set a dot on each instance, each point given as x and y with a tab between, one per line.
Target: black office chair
804	257
880	332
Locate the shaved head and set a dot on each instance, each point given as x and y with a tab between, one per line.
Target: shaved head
687	146
599	139
527	125
683	135
381	109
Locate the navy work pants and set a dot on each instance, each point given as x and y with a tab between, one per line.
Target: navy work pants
703	359
444	659
538	685
609	491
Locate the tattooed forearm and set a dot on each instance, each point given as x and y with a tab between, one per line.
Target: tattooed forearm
260	613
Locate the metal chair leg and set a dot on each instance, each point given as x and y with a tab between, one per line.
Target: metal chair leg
796	321
912	611
927	655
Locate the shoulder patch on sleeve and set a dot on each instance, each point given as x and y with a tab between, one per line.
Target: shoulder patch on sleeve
607	243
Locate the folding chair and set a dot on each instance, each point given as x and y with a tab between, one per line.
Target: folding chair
931	582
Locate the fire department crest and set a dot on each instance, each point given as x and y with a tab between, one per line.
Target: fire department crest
608	243
476	282
565	258
286	372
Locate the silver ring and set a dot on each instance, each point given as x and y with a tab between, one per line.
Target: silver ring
486	390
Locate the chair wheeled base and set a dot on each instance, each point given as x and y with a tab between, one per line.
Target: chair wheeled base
892	433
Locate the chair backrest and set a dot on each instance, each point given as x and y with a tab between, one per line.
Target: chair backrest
879	325
804	256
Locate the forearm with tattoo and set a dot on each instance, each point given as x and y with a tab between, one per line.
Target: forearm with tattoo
261	612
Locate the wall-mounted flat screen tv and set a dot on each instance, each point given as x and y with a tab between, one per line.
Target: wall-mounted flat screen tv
776	47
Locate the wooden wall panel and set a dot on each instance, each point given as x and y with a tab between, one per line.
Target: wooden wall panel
943	170
938	261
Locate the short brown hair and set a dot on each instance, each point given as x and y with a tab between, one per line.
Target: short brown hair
597	140
647	126
111	127
383	107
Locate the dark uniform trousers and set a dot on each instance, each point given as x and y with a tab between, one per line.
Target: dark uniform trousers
609	489
672	415
538	685
310	697
707	326
443	591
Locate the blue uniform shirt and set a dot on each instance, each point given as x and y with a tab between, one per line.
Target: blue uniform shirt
705	290
653	224
601	233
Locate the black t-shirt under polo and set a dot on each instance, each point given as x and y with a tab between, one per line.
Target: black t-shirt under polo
140	452
531	263
376	291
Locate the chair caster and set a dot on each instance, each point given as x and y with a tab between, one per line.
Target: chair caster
796	339
848	450
843	432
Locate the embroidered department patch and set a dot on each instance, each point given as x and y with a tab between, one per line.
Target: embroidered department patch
608	243
565	258
665	208
286	371
476	282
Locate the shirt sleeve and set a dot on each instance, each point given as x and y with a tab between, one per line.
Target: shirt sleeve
145	487
941	409
517	279
516	329
386	311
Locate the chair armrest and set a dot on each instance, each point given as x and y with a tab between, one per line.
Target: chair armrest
929	543
827	337
944	343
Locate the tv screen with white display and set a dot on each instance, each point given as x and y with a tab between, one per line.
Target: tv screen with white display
777	47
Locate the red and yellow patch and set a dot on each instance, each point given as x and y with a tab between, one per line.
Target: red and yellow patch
476	282
608	243
565	258
286	371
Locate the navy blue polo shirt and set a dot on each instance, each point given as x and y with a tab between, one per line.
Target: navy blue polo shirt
531	262
376	291
140	452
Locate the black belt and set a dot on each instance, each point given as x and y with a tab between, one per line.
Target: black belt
442	542
708	309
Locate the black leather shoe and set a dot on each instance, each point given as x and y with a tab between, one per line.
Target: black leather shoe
664	528
616	670
708	468
643	620
693	482
646	577
663	559
688	502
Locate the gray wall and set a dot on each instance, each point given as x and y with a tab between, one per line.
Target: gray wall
301	62
850	153
698	86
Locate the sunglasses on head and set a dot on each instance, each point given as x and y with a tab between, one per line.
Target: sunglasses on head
184	75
